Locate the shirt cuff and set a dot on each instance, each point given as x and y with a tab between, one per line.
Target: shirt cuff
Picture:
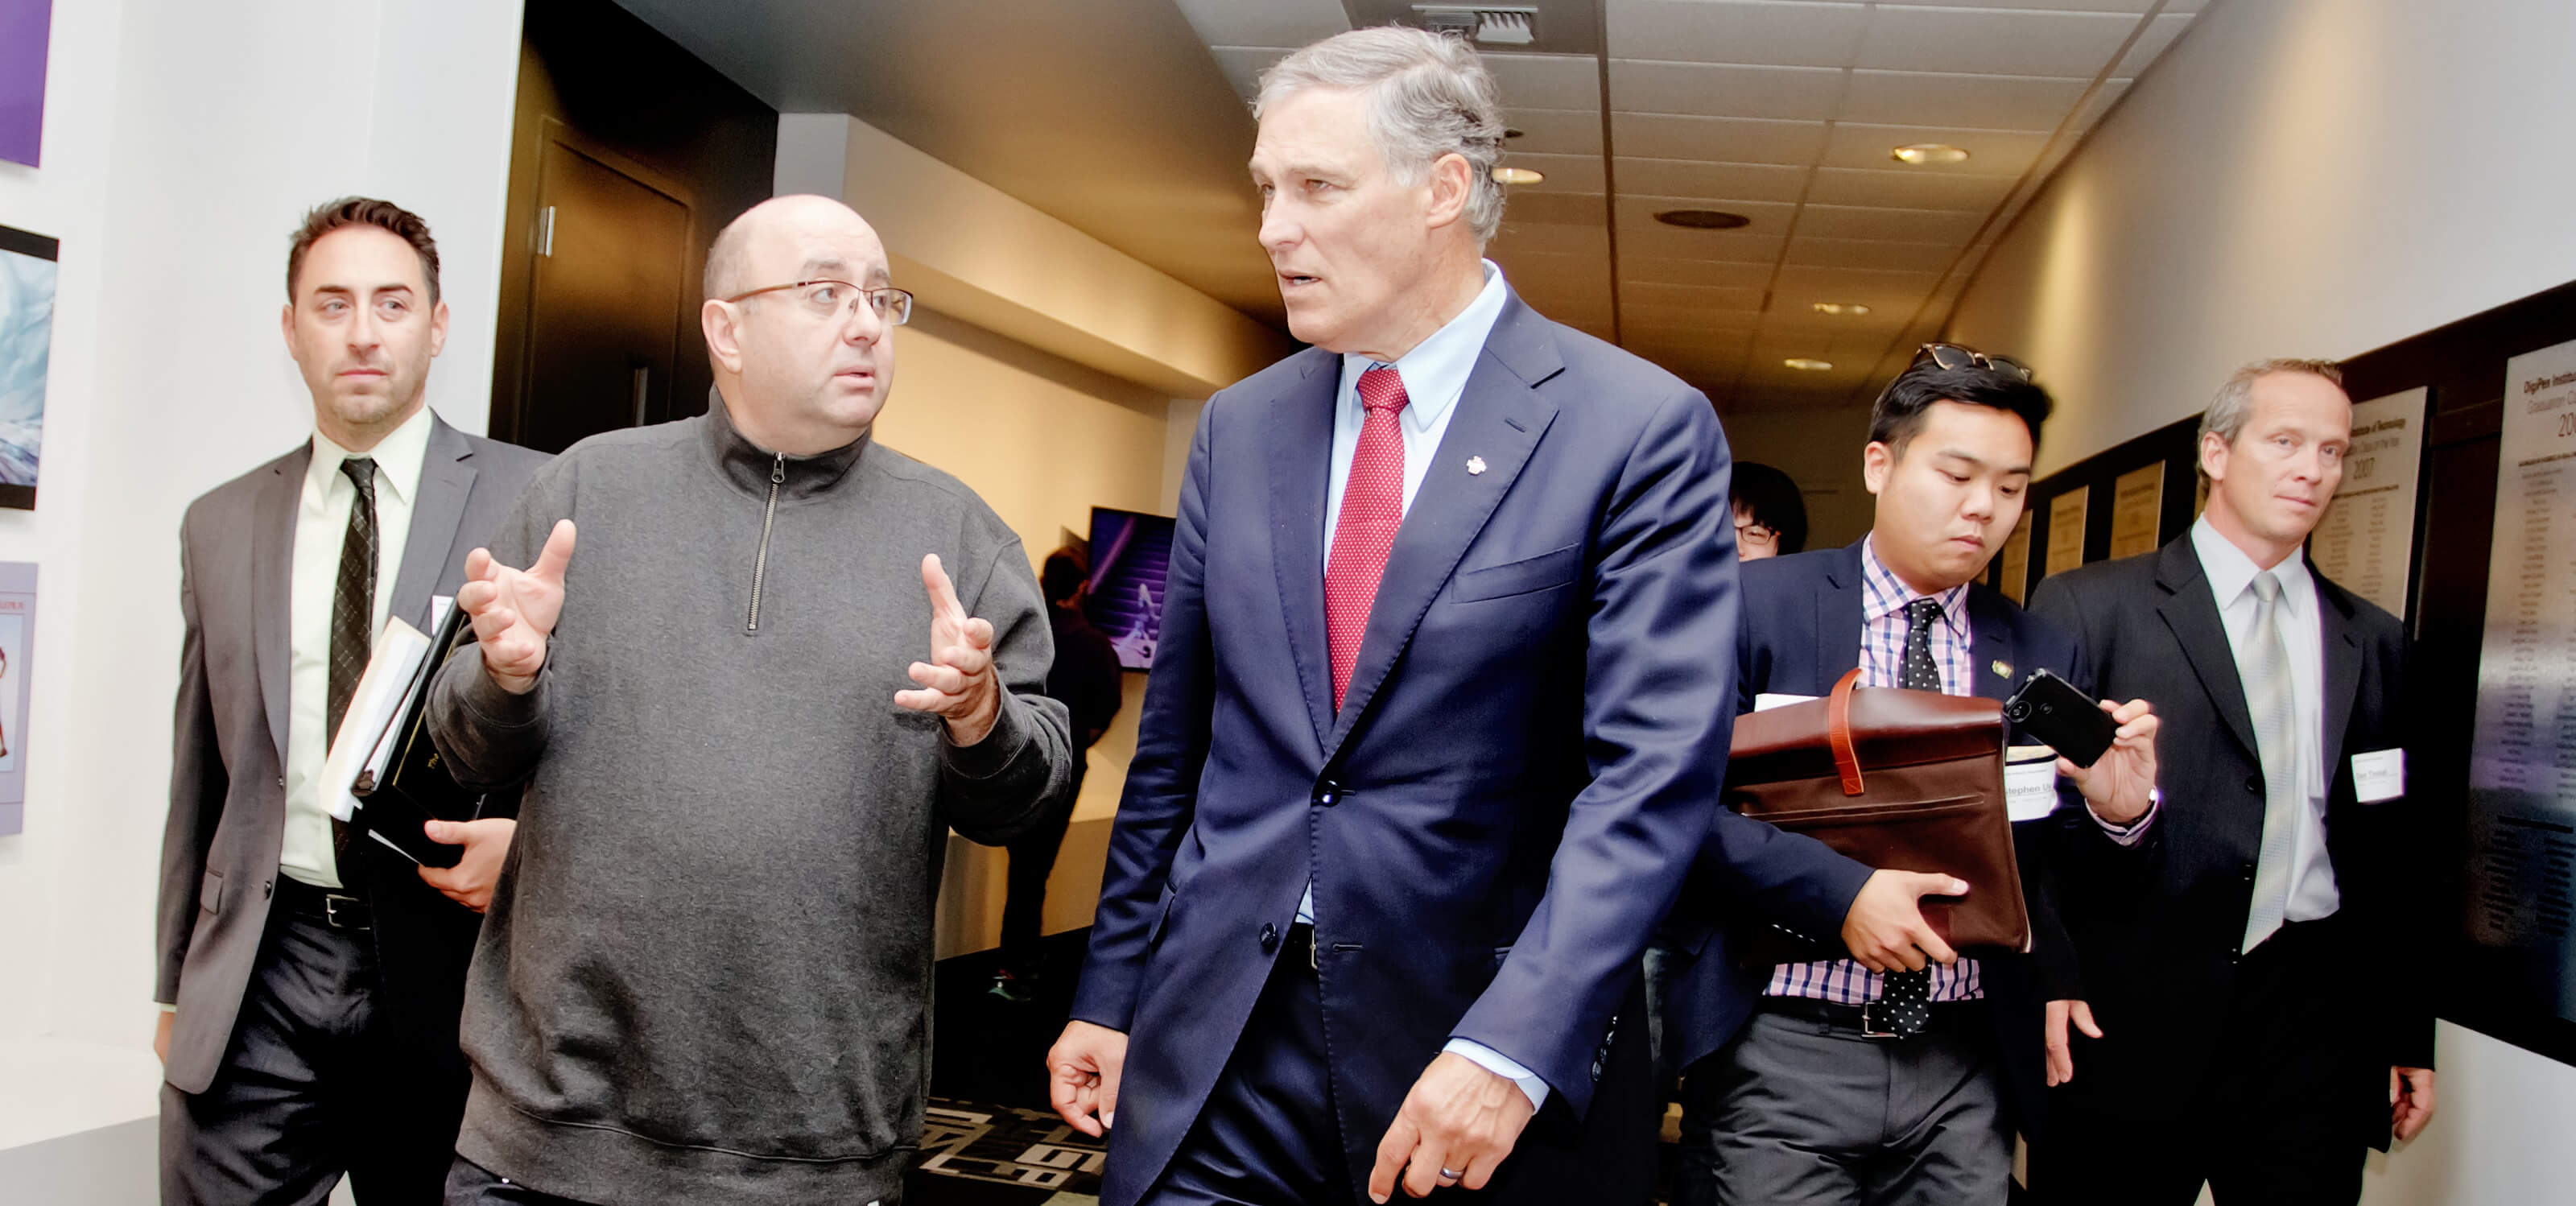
1501	1065
166	1006
2131	833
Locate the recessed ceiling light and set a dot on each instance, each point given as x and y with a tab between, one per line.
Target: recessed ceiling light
1804	365
1703	219
1517	175
1510	132
1850	308
1921	153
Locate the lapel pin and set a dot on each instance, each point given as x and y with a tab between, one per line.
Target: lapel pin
2003	670
1475	465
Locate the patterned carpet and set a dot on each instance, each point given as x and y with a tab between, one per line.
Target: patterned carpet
983	1155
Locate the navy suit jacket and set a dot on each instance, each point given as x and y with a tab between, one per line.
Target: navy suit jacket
1801	634
1515	784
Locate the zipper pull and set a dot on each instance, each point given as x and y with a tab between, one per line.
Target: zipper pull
778	472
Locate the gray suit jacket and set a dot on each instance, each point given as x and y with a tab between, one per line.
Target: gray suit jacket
227	777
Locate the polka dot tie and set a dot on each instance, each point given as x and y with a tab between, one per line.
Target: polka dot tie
1905	1001
1372	509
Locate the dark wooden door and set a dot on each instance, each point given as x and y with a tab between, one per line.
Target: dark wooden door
606	299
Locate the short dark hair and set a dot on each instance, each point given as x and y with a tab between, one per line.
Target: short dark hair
362	211
1899	411
1771	498
1063	575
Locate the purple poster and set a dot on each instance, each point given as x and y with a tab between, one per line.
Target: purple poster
24	25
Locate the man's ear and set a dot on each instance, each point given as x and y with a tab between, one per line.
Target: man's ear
1875	462
438	328
1452	183
721	322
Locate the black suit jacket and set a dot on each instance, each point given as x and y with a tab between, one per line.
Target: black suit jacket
2157	925
1801	633
227	777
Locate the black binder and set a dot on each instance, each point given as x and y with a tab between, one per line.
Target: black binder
416	787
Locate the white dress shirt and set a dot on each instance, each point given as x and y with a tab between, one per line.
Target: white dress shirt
1435	376
321	523
2230	572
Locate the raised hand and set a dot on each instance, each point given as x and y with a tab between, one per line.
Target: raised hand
514	611
958	682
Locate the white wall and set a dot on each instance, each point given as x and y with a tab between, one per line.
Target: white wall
2313	178
183	143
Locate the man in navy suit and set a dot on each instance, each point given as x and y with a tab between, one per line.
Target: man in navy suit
1434	723
1808	1082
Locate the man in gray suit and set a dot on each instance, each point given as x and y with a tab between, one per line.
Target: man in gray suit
311	983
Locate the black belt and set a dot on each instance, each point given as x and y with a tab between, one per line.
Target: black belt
336	909
1946	1015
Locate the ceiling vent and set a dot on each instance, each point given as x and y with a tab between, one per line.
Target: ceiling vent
1488	26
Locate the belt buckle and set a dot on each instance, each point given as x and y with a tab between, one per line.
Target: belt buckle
331	902
1869	1025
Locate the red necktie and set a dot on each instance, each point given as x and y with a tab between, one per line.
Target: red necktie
1372	508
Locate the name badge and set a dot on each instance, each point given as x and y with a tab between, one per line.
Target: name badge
2030	789
2378	775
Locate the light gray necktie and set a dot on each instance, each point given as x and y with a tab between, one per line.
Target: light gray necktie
2264	667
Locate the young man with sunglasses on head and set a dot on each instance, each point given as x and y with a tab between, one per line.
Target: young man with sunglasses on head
1889	1068
707	976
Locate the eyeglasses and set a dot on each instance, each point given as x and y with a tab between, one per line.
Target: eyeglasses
831	299
1749	532
1952	356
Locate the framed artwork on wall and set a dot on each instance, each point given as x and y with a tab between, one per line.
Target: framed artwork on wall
17	659
24	26
26	337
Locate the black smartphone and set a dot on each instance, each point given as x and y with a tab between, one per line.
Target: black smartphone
2051	709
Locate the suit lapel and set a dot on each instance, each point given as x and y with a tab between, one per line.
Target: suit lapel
2192	613
1992	628
1500	418
1299	474
2342	659
272	567
1838	618
438	507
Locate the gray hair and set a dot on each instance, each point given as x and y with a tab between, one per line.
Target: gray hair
1429	96
2234	402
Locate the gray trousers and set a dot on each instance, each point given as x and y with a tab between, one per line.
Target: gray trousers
1797	1111
311	1089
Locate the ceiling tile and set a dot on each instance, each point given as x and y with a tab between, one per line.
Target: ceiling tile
1547	81
1902	225
1243	66
2060	6
1718	139
1269	23
1981	102
1902	188
1642	270
1565	173
1725	90
1990	152
1587	209
1649	298
1723	31
1551	264
1553	132
1715	181
1654	240
2159	37
2100	106
1548	238
1871	253
1992	41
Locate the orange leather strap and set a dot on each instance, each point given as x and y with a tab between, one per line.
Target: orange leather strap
1838	732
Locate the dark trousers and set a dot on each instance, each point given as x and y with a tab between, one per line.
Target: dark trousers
1801	1110
312	1087
1032	861
2272	1125
471	1184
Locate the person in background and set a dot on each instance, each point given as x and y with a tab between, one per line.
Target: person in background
1087	681
1770	514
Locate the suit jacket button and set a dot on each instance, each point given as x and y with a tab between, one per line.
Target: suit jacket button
1269	937
2254	783
281	780
1328	793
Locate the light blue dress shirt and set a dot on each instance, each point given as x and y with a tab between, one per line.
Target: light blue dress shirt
1435	376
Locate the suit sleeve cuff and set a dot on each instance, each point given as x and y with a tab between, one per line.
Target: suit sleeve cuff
2133	832
1501	1065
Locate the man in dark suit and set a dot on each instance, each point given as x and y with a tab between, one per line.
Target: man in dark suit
1795	1092
1433	724
2255	950
311	982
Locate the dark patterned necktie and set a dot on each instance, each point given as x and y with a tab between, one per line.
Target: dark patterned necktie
1907	995
353	608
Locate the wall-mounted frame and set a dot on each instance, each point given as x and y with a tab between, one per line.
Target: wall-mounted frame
26	339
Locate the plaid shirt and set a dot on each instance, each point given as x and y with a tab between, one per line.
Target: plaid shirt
1882	655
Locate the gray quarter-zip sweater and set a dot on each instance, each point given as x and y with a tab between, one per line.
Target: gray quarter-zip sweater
705	976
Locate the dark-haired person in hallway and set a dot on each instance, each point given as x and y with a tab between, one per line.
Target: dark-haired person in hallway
1770	513
1871	1075
782	663
313	981
1086	679
2259	951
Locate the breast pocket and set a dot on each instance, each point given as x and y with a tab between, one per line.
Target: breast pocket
1547	571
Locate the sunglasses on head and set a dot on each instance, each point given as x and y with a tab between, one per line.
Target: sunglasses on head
1952	356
